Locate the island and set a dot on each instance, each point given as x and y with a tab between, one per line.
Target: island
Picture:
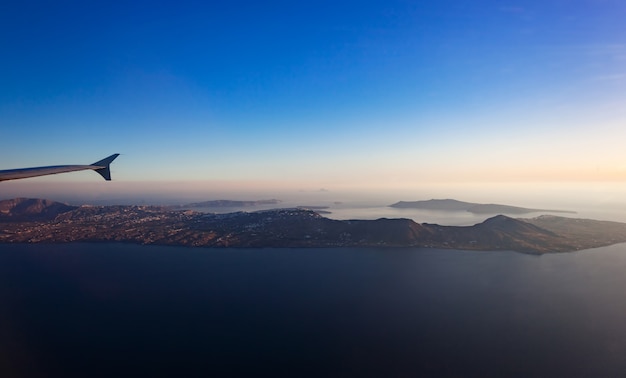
42	221
475	208
230	203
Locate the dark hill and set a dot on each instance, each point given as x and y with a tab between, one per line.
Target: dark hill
32	209
397	232
499	233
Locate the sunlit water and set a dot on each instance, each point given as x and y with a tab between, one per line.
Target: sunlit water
106	309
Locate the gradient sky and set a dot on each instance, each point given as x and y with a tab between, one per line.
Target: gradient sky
316	94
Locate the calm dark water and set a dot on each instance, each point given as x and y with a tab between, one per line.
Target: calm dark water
114	309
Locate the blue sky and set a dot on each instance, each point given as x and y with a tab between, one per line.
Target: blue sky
316	94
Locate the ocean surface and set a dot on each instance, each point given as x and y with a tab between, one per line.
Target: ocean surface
118	309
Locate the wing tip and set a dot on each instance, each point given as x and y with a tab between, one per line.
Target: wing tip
105	171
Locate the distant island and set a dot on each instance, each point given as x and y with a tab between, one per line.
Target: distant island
41	221
218	204
231	203
475	208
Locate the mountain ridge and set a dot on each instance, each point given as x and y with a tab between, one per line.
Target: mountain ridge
32	208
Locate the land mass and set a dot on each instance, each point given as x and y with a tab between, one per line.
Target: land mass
41	221
230	203
475	208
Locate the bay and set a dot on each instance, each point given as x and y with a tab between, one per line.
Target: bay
112	309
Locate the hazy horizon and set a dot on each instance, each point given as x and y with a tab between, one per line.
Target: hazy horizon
601	201
438	98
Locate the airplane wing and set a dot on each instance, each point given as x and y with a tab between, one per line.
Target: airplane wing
102	167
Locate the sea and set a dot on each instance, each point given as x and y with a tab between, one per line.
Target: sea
91	310
372	209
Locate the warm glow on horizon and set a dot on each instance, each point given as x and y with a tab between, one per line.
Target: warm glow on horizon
379	97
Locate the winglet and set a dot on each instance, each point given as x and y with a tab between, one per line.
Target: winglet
104	163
